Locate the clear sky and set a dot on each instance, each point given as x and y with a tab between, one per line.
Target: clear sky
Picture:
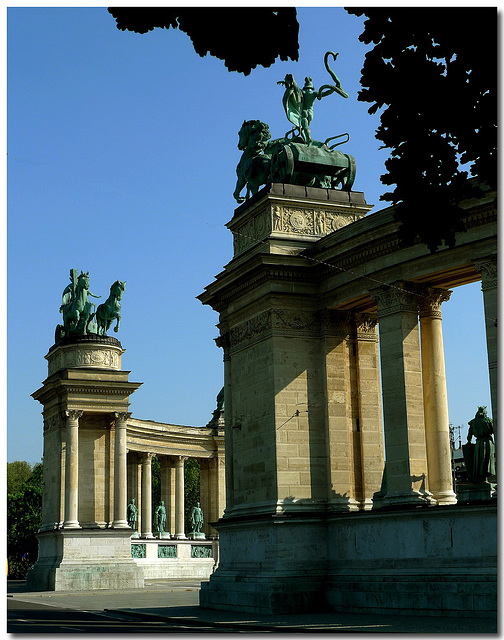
121	162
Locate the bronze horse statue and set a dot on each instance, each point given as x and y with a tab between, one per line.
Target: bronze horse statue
110	310
289	161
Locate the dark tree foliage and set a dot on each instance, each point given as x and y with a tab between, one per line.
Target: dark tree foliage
243	37
433	72
24	515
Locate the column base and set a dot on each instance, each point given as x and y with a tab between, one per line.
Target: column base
71	524
180	536
445	497
402	498
120	524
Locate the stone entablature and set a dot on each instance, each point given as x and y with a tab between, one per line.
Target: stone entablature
173	440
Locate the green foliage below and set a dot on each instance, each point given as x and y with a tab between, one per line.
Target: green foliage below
24	516
18	473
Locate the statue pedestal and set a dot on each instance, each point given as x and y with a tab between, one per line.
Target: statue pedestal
469	492
164	536
196	536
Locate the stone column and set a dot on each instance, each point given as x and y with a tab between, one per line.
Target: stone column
224	341
179	498
336	375
120	471
488	270
139	491
405	472
71	520
437	422
368	392
147	496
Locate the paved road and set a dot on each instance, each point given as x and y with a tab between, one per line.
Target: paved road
172	606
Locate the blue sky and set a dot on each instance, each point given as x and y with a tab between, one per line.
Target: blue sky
121	162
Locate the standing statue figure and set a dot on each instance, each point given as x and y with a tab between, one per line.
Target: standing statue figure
298	103
132	514
196	518
160	517
483	460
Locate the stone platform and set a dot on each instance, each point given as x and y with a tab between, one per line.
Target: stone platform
84	559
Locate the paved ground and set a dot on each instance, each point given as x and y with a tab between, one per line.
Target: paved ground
175	602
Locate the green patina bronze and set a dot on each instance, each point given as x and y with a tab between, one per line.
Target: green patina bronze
196	518
160	517
296	158
79	317
298	103
480	457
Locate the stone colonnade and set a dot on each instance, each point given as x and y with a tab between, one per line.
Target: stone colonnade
117	472
139	488
172	492
415	404
130	474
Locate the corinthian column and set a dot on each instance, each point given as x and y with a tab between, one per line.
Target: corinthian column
437	424
71	520
403	413
179	498
120	471
147	496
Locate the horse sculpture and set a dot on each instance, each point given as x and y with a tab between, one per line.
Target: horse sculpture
288	160
254	166
75	307
111	309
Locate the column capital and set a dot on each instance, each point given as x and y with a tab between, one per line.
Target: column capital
365	326
73	415
430	300
224	341
335	323
399	296
122	416
488	269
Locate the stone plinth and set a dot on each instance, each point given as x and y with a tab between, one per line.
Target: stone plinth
291	217
432	561
85	352
182	559
84	560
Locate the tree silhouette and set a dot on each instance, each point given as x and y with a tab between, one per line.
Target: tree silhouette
434	73
243	37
